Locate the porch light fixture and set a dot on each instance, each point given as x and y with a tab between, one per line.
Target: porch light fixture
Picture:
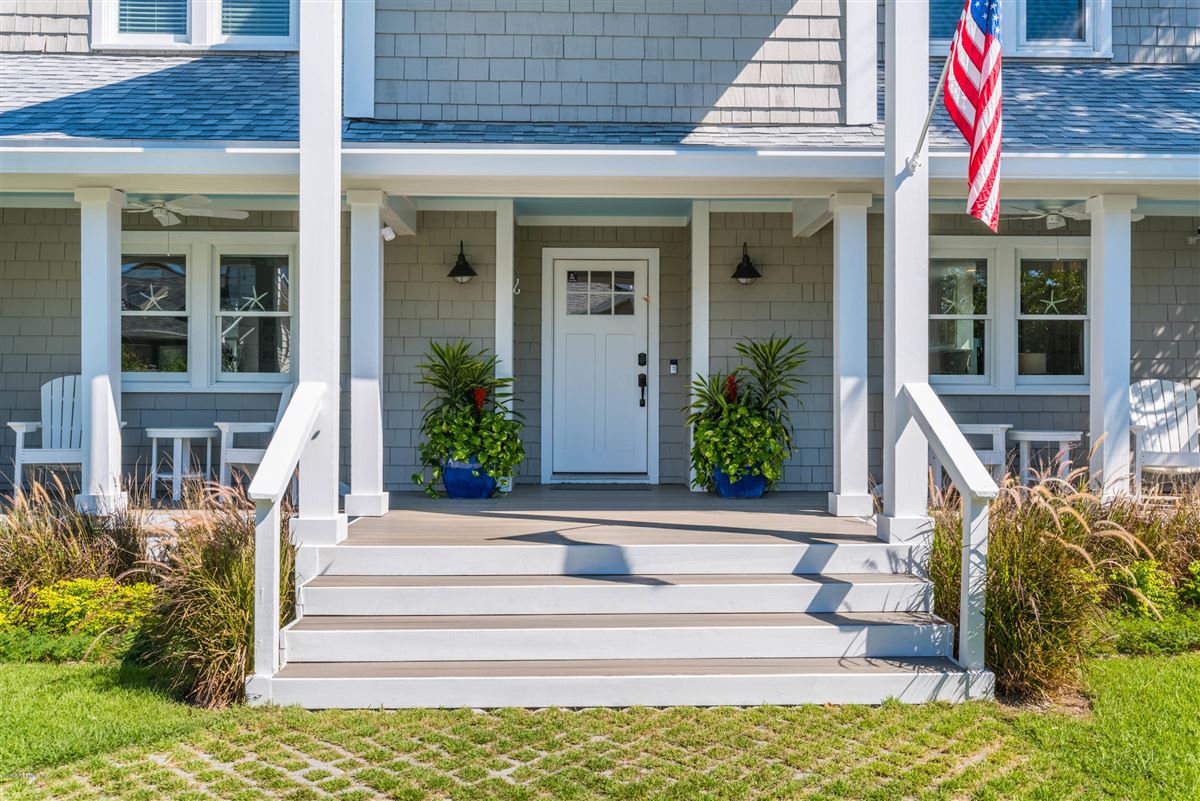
462	271
746	272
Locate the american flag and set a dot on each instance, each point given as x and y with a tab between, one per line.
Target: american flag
973	98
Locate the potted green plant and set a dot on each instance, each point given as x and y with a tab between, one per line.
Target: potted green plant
472	439
741	432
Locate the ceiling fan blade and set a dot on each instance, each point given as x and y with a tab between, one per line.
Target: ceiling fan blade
1029	217
190	200
224	214
1076	211
137	209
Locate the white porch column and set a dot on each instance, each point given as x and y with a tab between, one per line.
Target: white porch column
850	497
905	271
367	496
698	361
100	347
1109	346
319	280
504	288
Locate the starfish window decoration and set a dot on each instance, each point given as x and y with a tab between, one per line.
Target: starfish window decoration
153	297
952	305
1051	303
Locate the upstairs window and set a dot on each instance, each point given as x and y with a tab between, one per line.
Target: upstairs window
195	24
1063	28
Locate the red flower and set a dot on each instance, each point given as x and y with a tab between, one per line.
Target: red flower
480	396
731	387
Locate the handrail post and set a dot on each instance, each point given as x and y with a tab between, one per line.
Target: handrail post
972	599
266	600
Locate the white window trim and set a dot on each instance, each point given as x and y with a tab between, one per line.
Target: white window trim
218	316
1004	254
1097	41
204	31
989	326
203	249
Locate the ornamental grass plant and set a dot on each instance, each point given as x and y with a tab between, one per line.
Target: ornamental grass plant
1063	564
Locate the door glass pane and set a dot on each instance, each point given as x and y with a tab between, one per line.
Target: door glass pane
255	344
958	286
943	18
1053	286
254	283
601	280
623	281
153	283
623	304
154	343
956	347
1048	20
1050	347
600	303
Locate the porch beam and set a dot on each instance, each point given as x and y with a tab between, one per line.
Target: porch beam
701	257
100	348
399	213
319	280
850	496
905	272
367	496
1110	333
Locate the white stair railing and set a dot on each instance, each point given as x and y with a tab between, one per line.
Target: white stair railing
271	481
977	488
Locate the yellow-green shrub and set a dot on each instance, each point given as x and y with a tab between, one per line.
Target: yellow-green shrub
10	613
90	606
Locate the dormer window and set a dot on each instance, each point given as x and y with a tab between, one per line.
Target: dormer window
1035	28
195	24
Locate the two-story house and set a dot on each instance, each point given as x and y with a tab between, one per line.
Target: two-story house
203	202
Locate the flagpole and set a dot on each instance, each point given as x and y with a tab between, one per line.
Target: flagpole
913	162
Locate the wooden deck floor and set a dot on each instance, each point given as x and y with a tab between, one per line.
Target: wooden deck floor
656	515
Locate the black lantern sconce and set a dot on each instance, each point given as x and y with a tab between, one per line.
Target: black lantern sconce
746	272
462	272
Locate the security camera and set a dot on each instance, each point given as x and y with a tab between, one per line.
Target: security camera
387	233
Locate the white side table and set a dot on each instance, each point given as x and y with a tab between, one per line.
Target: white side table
993	458
1063	439
181	461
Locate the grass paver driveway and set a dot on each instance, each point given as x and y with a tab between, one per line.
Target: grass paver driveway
93	732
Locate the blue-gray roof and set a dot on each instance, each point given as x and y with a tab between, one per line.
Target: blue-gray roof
1047	108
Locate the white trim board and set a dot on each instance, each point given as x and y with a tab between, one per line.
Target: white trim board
651	257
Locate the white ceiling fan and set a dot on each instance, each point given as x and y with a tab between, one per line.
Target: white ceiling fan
1055	215
169	212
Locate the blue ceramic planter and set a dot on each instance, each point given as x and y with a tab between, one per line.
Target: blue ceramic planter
748	486
461	482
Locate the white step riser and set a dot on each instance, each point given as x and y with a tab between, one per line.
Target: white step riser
731	642
908	596
550	560
620	691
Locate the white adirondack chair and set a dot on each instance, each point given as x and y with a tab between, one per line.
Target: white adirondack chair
61	429
1164	420
231	454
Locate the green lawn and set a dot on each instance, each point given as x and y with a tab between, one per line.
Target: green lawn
83	732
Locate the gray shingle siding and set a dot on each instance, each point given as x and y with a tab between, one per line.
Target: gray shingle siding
44	26
763	61
1156	31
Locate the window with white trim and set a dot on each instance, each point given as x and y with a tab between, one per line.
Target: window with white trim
195	24
207	310
958	318
1009	313
1042	28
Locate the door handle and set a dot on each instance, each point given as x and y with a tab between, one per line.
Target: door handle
642	383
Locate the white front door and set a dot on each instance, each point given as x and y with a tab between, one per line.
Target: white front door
601	368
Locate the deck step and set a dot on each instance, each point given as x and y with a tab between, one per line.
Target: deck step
622	555
613	636
530	595
624	682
